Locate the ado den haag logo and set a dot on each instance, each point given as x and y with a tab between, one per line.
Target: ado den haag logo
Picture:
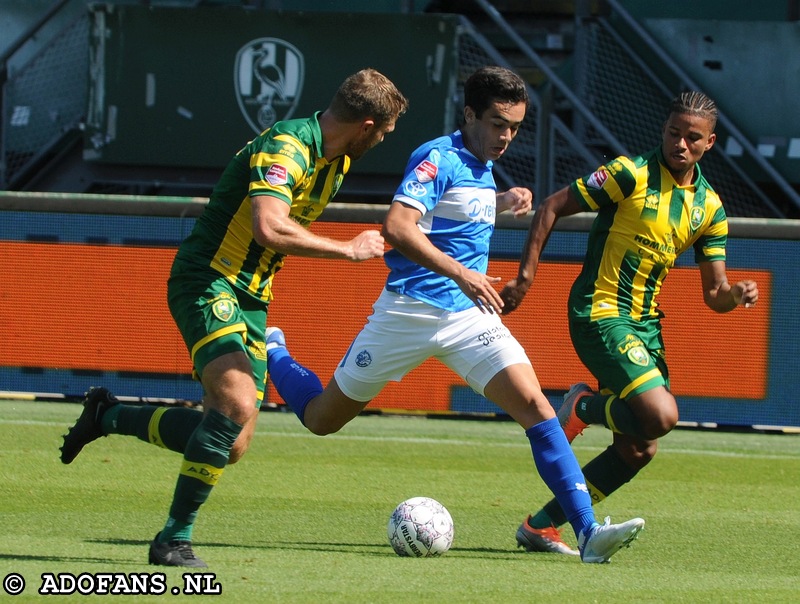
268	76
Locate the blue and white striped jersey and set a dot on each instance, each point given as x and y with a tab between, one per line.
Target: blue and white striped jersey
455	192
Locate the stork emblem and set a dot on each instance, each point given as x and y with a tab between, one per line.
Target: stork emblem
268	76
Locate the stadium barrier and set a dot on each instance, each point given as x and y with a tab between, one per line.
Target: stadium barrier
84	304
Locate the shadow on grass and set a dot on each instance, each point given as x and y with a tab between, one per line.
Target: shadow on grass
373	549
359	549
53	558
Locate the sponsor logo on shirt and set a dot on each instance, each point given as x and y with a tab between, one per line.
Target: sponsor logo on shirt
651	202
414	189
426	171
597	179
277	175
288	150
259	350
490	336
481	212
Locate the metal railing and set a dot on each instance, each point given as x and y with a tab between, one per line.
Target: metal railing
363	213
749	150
545	155
42	91
622	118
43	98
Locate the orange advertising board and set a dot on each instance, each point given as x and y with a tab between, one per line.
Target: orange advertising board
103	307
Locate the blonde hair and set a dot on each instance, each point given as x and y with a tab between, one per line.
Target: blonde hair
368	94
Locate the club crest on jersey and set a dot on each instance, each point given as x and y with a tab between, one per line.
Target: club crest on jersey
634	349
223	310
277	175
426	171
364	359
268	75
597	179
696	217
337	184
639	356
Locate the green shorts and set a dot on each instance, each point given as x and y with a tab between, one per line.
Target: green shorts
626	356
215	318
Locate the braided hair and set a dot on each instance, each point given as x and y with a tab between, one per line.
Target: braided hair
696	103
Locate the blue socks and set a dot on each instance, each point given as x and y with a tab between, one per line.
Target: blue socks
295	384
561	472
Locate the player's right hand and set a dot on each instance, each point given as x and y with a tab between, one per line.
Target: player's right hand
366	245
745	293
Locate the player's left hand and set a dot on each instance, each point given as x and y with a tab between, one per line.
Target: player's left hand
745	293
518	200
480	289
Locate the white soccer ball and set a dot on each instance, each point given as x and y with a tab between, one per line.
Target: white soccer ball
420	527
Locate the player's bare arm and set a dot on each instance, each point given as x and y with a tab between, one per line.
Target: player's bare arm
274	228
401	232
517	200
561	203
721	296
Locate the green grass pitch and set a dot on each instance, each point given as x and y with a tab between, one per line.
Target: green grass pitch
303	518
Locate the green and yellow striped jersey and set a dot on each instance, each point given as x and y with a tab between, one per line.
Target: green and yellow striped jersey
644	222
285	161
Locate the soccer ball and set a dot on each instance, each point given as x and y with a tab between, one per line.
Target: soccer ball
420	527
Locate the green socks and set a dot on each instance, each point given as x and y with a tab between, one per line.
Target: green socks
167	427
204	460
609	411
205	441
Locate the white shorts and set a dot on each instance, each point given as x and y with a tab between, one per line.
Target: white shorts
403	332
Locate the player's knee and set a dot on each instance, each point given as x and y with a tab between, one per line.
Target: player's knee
321	428
657	412
637	457
242	443
660	422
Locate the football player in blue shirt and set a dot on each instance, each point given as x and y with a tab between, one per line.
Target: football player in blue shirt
439	302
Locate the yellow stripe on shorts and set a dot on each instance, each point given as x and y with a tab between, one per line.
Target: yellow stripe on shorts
240	328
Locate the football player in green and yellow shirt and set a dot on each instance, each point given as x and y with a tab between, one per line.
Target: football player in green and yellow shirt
650	209
221	284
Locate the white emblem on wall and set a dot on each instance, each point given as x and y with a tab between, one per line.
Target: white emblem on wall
268	77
